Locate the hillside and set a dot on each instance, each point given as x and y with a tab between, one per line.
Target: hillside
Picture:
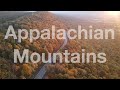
39	20
44	19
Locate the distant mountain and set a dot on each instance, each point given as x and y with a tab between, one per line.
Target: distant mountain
7	14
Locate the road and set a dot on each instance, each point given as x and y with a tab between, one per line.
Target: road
43	71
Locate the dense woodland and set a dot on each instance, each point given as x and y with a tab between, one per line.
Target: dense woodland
41	20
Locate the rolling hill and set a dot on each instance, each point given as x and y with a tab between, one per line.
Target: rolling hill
44	19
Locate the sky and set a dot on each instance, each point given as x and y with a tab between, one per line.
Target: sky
89	13
78	12
85	13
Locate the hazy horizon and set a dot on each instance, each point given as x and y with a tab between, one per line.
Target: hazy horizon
80	13
90	14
